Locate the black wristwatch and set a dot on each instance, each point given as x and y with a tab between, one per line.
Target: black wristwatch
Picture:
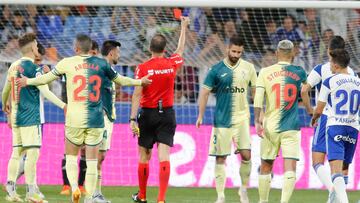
132	119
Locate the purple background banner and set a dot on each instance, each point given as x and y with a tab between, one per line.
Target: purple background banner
190	164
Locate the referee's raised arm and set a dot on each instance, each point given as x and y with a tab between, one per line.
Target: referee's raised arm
181	43
156	123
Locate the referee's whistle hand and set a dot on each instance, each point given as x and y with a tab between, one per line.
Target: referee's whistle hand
145	80
134	128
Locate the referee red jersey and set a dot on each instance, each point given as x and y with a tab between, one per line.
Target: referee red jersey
163	73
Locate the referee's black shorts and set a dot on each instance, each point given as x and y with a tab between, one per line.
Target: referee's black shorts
156	127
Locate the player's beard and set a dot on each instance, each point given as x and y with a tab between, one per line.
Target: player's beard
233	60
115	61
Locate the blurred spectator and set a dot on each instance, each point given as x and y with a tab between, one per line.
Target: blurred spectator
313	23
287	31
269	39
192	46
31	16
225	14
149	30
268	59
245	31
353	38
5	16
326	36
18	26
198	22
229	31
125	32
334	19
11	49
304	58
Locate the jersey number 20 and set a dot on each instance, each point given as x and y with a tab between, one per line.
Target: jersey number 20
94	95
344	98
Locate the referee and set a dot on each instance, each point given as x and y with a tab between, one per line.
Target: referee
156	118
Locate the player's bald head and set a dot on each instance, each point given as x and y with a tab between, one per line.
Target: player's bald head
83	43
158	43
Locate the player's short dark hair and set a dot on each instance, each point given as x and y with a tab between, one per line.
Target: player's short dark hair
109	45
41	49
26	39
237	41
336	42
84	42
94	45
340	57
158	43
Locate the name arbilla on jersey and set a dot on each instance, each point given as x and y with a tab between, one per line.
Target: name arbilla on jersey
161	72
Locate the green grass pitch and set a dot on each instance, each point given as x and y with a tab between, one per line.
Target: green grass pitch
189	195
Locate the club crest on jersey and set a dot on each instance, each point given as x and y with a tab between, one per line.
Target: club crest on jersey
338	138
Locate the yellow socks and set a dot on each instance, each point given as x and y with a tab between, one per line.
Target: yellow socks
91	176
220	179
32	155
245	170
72	171
288	186
13	165
264	187
98	183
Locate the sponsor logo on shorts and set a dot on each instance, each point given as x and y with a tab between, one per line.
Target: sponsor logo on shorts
339	138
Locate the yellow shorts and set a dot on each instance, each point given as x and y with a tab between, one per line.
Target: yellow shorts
87	136
289	141
29	136
108	129
221	139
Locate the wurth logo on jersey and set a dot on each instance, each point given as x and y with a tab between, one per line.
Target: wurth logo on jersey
161	72
338	138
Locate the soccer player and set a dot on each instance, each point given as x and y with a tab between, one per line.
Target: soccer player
45	69
110	50
319	74
156	119
280	85
26	121
84	118
94	51
341	95
229	80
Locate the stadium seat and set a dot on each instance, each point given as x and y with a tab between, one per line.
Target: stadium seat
49	27
100	25
75	25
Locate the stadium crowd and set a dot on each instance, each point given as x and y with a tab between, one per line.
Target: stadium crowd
210	31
